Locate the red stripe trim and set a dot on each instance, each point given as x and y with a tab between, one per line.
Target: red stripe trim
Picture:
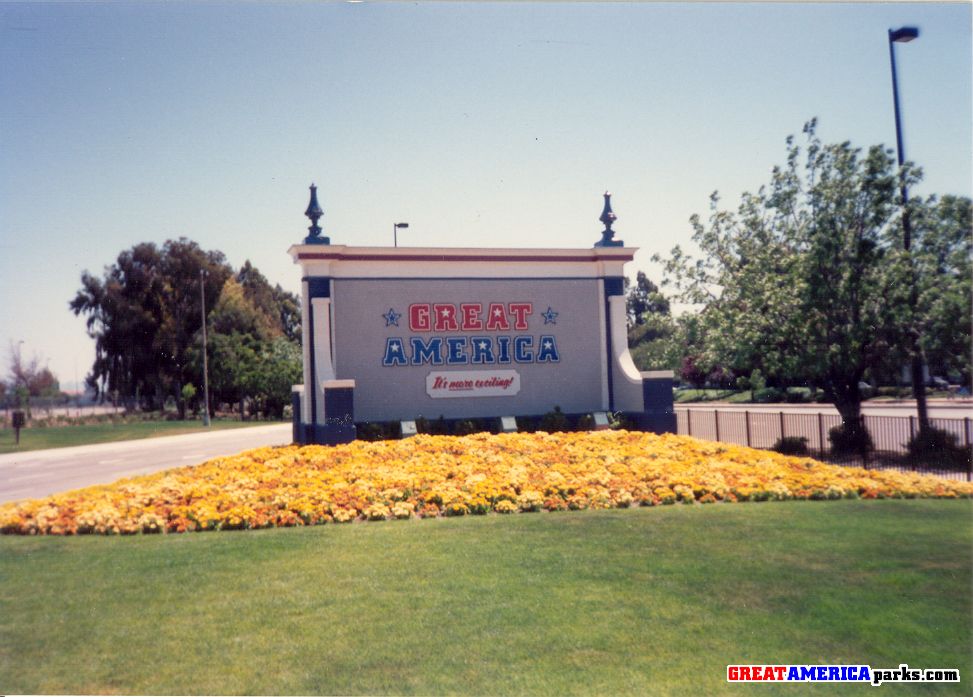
447	257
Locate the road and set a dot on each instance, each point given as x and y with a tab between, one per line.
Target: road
938	408
762	425
40	473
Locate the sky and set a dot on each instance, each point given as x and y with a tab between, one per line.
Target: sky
479	124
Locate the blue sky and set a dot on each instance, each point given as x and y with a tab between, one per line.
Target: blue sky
480	124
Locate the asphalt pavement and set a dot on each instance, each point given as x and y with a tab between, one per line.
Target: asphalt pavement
39	473
938	408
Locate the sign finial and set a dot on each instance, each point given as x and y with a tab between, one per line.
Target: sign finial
314	212
607	218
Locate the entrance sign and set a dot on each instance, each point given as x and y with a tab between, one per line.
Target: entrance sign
395	333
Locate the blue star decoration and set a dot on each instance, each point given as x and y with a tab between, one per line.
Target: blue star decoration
550	316
392	318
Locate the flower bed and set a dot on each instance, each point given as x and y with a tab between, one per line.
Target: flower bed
428	476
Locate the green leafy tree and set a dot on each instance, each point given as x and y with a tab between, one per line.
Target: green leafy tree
179	335
281	307
796	281
941	262
279	367
124	312
249	347
144	314
643	299
235	312
233	367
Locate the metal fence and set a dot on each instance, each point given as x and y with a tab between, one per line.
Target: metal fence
890	435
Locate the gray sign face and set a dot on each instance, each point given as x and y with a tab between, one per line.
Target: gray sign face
468	348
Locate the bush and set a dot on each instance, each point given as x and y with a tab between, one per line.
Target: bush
795	396
373	431
466	427
939	448
850	439
554	421
433	428
791	445
768	394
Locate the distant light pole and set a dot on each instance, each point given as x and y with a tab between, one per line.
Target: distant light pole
905	35
202	307
395	231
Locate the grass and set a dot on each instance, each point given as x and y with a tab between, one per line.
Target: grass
640	601
65	436
705	395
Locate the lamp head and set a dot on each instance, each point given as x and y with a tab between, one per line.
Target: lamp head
903	34
401	225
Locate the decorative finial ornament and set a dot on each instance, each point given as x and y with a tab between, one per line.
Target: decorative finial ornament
314	212
607	218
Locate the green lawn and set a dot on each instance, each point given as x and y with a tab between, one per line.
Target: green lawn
641	601
711	395
64	436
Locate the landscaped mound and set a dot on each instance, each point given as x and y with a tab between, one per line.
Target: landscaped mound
428	476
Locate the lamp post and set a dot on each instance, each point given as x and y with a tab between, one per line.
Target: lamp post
202	308
905	35
395	231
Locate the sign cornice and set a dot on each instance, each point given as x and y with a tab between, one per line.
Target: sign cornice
302	253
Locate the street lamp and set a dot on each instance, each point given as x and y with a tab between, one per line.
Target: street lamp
202	308
395	231
904	35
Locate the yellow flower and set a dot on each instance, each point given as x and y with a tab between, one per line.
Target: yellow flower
433	475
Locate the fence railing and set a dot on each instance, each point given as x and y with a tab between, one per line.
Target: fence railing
890	435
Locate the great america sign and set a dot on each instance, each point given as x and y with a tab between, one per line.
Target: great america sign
393	333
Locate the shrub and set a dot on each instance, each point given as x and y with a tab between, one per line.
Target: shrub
554	421
768	394
756	381
466	427
434	428
937	447
370	431
791	445
850	439
794	396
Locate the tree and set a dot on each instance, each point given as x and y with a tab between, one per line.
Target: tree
796	282
29	378
278	369
233	366
643	299
125	310
144	315
282	308
181	264
248	360
235	312
941	258
29	374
